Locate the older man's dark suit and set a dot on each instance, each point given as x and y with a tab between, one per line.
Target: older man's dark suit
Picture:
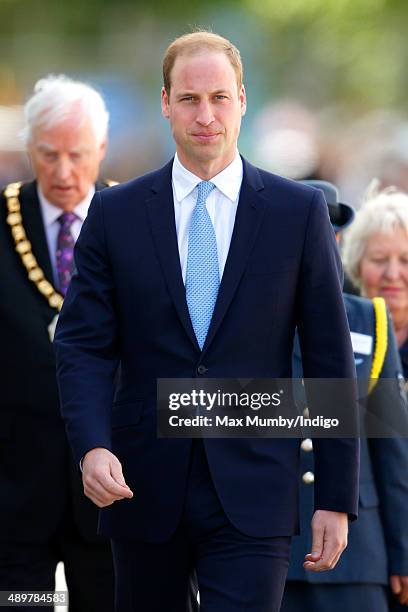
42	500
128	303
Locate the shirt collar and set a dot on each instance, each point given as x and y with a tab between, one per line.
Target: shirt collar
51	212
228	181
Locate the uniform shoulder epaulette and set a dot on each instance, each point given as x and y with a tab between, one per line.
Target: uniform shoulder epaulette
381	340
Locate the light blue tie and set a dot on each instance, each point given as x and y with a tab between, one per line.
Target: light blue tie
202	276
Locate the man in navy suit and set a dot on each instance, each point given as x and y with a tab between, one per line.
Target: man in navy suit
203	269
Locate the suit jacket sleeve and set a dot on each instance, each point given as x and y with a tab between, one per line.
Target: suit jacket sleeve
86	341
327	353
390	460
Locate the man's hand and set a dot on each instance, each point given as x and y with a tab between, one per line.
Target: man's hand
399	586
102	478
329	539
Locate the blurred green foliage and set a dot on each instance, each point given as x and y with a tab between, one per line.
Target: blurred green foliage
358	48
351	51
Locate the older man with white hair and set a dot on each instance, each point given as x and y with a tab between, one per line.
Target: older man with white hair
44	516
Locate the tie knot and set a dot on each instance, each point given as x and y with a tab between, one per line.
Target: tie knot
67	219
204	190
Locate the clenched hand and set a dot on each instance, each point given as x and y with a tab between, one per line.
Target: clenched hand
329	539
102	478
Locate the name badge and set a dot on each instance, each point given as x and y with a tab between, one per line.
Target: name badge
362	343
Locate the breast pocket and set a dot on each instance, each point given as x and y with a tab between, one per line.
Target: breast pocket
126	414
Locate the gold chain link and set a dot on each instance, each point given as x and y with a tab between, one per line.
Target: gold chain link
23	246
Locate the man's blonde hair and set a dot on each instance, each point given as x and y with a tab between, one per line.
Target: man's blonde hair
194	42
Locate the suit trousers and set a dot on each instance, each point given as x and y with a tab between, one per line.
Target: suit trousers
234	572
88	569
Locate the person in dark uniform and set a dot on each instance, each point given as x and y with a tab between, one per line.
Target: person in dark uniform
378	545
44	516
375	252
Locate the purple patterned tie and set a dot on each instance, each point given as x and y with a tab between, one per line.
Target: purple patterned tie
65	251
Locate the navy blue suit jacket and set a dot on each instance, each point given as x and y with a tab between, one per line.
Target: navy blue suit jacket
127	305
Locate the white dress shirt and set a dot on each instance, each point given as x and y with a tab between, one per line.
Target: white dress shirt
221	206
50	214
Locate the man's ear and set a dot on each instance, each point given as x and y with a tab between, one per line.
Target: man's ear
165	103
242	99
102	149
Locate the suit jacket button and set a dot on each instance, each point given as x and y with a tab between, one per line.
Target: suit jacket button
307	445
308	477
201	369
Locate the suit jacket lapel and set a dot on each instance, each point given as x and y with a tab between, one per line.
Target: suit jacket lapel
161	214
34	226
248	219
